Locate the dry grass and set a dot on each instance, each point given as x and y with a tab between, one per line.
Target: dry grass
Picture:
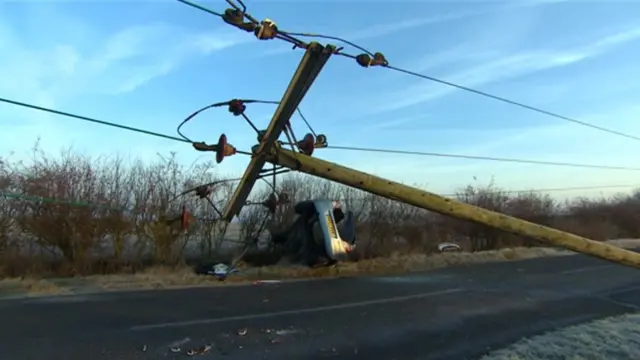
32	287
420	262
168	277
625	243
616	338
157	277
165	277
403	263
104	220
171	277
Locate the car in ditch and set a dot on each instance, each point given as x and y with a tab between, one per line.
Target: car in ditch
321	234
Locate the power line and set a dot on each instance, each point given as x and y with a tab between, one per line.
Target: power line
92	120
487	158
84	204
80	204
347	148
515	103
74	203
235	18
385	64
543	190
235	106
202	8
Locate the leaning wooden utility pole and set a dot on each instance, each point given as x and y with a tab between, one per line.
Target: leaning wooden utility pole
314	59
446	206
268	150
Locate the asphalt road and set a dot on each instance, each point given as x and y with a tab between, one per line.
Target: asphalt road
455	313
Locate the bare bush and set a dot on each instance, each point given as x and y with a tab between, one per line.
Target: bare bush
74	214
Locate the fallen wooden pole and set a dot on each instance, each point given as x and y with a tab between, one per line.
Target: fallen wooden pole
436	203
314	59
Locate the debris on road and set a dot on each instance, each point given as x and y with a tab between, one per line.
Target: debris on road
281	332
260	282
278	335
329	352
175	346
199	350
288	331
243	332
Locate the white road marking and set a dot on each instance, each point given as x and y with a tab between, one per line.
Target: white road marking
619	303
292	312
588	268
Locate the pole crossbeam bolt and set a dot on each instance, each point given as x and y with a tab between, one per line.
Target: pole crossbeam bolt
321	141
222	148
267	30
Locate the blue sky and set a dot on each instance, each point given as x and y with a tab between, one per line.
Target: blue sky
149	64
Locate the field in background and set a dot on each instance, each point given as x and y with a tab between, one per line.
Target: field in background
109	217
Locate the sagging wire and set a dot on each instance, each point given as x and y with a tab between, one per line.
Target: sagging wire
267	29
486	158
320	142
329	37
369	59
91	120
515	103
166	219
205	191
305	121
237	107
236	15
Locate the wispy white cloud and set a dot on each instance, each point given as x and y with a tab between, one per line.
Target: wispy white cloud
384	29
390	124
138	54
116	64
506	67
379	30
55	73
561	142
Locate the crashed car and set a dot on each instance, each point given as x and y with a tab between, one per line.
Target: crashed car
321	234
